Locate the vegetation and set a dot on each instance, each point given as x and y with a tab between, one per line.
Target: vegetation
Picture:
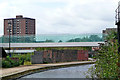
7	63
48	40
60	41
63	48
27	63
107	59
92	38
23	59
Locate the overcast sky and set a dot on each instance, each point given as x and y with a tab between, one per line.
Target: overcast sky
62	16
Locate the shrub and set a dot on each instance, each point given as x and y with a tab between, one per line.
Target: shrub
6	64
107	59
23	57
8	59
27	63
15	63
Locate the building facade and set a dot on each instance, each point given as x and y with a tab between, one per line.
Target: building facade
108	30
19	26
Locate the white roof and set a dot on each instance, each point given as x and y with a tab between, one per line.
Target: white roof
19	51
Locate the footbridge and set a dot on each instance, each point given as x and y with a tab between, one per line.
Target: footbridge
64	44
30	42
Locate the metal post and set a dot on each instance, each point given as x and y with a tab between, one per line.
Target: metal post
9	28
118	35
9	40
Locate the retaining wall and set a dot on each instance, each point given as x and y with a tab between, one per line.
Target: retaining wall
53	56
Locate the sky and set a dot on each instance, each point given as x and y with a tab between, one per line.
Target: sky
62	16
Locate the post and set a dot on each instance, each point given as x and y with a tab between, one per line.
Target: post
118	35
9	28
9	41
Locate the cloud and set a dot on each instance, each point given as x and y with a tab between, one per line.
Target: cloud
62	16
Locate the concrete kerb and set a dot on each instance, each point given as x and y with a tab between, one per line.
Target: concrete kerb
41	69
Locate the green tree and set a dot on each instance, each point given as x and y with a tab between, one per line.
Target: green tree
49	40
60	41
95	38
92	38
107	59
71	40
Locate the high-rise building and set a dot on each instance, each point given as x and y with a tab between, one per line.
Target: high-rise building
19	26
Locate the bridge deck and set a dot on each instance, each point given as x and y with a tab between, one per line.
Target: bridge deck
67	44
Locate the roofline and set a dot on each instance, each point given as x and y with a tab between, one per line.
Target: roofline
19	18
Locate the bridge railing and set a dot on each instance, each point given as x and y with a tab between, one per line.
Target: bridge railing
55	38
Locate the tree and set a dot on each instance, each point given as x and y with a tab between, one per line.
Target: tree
92	38
107	59
49	40
95	38
60	41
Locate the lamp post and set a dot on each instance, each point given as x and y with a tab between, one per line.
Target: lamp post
118	34
9	28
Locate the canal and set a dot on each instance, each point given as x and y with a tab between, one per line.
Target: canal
69	72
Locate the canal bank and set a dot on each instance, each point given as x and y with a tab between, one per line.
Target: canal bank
16	72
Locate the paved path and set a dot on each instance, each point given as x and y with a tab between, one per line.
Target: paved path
9	71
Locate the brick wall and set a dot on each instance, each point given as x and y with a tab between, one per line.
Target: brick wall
53	56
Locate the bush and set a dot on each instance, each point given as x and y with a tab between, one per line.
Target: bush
6	64
23	57
8	59
27	63
15	63
107	59
45	62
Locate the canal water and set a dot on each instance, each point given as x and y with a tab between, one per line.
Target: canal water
69	72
